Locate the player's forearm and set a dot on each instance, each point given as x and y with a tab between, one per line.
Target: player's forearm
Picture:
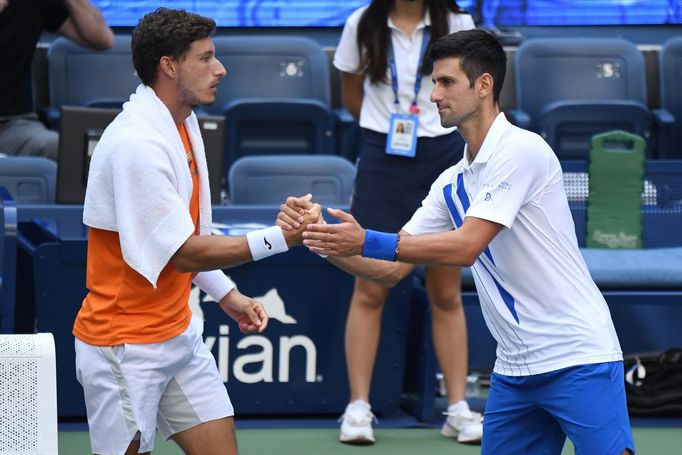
441	249
202	253
384	273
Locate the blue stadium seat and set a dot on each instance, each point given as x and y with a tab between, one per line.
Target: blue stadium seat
276	96
286	67
269	126
271	179
84	77
8	252
669	117
569	89
29	179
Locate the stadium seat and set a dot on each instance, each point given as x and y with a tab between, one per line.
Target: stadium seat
271	179
669	117
84	77
569	89
286	67
29	179
270	126
276	96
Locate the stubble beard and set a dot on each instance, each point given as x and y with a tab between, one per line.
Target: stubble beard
190	96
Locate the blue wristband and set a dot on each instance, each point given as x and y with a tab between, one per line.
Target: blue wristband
379	245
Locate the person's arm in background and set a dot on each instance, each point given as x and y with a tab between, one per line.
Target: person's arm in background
85	26
353	92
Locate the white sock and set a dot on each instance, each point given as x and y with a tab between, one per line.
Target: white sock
362	404
461	407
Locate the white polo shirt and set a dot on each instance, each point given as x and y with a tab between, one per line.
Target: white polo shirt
537	296
377	104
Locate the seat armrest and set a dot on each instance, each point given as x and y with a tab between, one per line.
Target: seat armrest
663	117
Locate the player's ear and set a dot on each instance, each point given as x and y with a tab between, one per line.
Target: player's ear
484	85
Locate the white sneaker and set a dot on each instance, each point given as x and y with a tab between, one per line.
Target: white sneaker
462	424
356	423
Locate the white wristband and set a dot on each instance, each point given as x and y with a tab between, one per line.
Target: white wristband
214	283
266	242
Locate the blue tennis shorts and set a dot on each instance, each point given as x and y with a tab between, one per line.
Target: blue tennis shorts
534	414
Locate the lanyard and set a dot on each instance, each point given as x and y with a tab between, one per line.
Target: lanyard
414	109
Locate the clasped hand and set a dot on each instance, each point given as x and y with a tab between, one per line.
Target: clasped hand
340	239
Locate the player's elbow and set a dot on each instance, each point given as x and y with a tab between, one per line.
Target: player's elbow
394	275
388	281
183	264
468	257
468	261
184	259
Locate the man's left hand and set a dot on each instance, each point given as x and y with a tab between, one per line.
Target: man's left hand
249	313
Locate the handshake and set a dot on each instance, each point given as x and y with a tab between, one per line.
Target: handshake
302	223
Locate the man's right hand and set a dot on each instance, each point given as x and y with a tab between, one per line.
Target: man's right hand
291	213
294	217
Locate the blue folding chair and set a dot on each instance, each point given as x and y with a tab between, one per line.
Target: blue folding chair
269	180
568	89
89	78
276	96
29	179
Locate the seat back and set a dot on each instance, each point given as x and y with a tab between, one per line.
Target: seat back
557	69
287	67
29	179
85	77
671	96
277	127
568	126
271	179
276	97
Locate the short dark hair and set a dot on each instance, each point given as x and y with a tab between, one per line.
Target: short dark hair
480	52
165	32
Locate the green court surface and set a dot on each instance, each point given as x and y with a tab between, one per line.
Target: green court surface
419	441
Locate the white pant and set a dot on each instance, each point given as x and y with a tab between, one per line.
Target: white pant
133	388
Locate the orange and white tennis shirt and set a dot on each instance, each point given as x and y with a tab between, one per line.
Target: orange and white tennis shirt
142	203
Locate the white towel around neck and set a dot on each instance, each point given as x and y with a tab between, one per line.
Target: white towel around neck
139	183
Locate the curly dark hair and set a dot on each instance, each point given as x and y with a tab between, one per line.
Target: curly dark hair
166	32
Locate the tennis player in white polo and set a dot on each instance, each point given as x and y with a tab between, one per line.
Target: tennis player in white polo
503	211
